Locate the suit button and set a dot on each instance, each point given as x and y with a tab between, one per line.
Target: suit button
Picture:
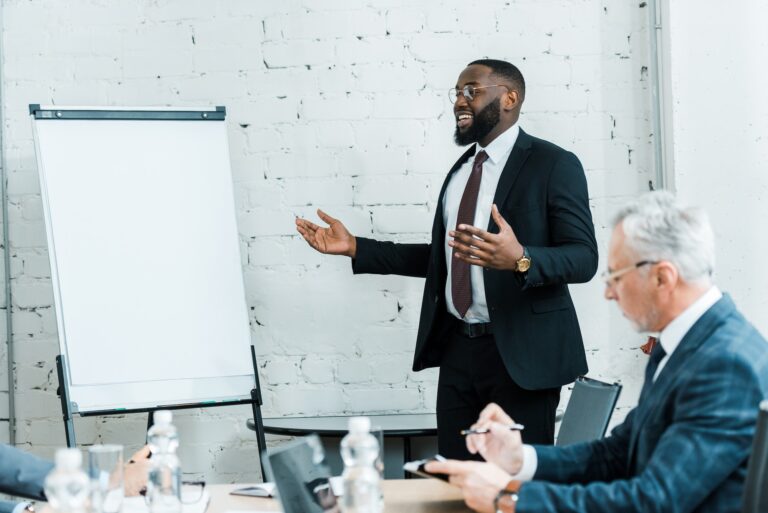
437	298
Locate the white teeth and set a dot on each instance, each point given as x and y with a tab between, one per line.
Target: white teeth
464	116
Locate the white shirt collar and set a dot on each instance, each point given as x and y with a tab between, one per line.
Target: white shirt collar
673	333
502	145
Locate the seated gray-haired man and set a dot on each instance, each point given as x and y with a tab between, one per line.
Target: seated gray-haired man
685	446
23	475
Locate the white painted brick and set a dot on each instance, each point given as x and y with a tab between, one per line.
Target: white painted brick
266	111
317	371
309	401
335	134
430	47
262	221
405	21
390	371
388	161
348	106
377	190
310	163
370	50
281	372
399	219
33	294
409	105
353	372
27	235
389	77
296	53
388	399
26	323
325	25
319	191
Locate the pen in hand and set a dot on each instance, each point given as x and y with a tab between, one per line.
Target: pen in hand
483	431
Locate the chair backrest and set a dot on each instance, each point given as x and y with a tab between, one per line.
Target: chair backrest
756	485
589	410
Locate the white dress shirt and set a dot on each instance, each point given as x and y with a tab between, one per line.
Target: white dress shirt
498	153
669	338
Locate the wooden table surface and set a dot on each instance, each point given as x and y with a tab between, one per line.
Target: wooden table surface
400	496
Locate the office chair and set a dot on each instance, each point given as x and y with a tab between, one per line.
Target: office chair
756	485
588	412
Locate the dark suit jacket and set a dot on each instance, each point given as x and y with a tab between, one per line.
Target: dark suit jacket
542	194
21	474
685	447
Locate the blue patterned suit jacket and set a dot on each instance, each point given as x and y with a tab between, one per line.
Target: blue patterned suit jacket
684	448
21	474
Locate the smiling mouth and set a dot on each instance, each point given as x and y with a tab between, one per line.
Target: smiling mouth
463	120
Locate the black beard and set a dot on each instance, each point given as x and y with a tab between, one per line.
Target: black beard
485	121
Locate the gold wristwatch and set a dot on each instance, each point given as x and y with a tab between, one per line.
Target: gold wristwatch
524	262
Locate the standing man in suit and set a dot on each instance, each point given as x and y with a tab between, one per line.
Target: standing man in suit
512	228
23	474
684	448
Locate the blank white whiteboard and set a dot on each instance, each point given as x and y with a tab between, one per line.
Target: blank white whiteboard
145	257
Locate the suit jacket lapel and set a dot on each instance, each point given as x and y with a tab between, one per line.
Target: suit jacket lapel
654	394
520	152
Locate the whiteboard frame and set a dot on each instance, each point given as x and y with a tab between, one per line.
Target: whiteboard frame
253	396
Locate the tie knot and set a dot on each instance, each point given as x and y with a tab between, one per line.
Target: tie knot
658	353
481	157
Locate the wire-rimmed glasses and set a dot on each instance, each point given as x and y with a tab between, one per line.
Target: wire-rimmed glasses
468	91
611	277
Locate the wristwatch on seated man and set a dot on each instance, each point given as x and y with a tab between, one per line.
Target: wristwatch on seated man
506	499
524	262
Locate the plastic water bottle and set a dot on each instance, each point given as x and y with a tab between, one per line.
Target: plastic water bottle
359	450
164	484
67	486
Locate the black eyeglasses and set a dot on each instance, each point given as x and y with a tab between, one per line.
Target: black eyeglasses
468	91
191	492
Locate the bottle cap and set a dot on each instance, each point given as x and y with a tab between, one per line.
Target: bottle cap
359	425
68	459
163	417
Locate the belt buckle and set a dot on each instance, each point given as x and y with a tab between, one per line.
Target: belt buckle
475	330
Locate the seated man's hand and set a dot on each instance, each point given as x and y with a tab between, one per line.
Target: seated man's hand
479	482
501	445
136	472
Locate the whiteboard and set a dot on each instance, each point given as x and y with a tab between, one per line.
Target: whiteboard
145	258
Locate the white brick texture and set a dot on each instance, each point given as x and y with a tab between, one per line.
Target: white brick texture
339	105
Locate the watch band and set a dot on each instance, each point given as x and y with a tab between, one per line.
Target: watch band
506	499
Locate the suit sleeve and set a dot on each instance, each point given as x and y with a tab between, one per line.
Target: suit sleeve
708	440
22	474
376	257
599	460
571	257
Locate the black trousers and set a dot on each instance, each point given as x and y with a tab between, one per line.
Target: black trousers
472	375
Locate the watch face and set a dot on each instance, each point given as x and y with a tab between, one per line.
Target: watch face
523	264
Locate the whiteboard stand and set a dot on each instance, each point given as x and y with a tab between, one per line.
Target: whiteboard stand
145	258
69	409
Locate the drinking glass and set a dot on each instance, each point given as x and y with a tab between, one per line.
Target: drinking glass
105	468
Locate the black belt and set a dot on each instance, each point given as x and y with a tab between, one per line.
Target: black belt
475	330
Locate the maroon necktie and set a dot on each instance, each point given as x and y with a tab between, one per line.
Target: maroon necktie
461	281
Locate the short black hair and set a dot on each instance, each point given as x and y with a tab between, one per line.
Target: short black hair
505	70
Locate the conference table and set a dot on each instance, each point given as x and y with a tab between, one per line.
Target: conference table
400	496
404	427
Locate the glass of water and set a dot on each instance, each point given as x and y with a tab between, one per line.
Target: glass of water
105	468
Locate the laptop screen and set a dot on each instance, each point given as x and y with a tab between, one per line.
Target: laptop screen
302	477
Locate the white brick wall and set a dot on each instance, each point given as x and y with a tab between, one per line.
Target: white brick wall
334	104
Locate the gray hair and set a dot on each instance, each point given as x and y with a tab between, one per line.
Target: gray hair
657	228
